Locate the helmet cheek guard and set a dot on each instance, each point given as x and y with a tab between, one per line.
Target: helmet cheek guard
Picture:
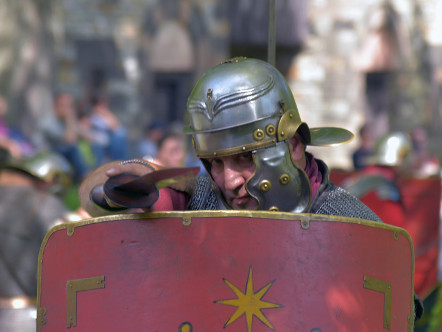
245	105
278	184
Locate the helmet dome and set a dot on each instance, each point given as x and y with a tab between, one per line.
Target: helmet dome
48	167
393	149
246	104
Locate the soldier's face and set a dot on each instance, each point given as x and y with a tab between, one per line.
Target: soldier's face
231	174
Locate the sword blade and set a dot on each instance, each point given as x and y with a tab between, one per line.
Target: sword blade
161	178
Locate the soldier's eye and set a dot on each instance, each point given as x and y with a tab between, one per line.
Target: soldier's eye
216	164
245	159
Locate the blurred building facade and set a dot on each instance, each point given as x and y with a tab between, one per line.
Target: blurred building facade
91	47
330	90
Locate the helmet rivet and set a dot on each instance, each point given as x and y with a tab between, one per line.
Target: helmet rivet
209	93
282	133
284	179
274	209
244	148
265	185
214	153
270	130
258	135
291	114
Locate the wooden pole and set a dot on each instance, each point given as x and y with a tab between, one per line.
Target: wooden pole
271	48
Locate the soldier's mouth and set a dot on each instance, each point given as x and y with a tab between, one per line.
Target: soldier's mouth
241	202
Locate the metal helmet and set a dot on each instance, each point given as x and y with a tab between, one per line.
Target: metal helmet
246	105
393	149
48	167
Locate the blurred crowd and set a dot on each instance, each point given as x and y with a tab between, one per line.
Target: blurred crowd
88	138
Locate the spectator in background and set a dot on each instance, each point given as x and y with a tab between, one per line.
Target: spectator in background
107	136
171	150
12	144
380	59
62	132
423	163
365	148
147	147
174	32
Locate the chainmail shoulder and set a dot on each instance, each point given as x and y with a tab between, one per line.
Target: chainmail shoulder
203	197
332	200
336	201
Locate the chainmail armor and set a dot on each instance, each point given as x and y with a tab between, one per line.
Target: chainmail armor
203	197
330	200
336	201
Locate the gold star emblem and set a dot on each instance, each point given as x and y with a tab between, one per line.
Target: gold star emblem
249	303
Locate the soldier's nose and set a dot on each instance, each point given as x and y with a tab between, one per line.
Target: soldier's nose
233	179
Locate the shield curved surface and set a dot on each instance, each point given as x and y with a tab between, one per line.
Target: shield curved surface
232	271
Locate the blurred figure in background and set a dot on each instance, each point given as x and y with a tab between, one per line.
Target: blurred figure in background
378	179
423	163
147	146
174	31
365	148
171	150
11	143
30	204
106	134
62	132
379	59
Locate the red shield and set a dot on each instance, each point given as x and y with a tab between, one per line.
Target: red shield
421	199
219	271
417	212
